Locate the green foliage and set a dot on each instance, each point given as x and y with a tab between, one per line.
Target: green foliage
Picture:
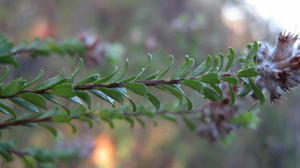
43	107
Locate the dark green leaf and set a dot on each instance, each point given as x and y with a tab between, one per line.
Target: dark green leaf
194	84
50	129
138	88
203	67
90	79
103	96
184	68
230	79
23	103
232	95
113	94
37	78
257	91
210	78
7	110
250	72
154	100
64	90
51	81
189	123
108	77
164	72
230	59
210	94
35	99
84	96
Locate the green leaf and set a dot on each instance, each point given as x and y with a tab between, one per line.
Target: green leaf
257	91
174	91
51	81
37	78
253	51
23	103
135	77
232	95
87	120
7	110
123	91
189	123
4	73
35	99
113	94
169	117
51	98
77	69
73	127
230	59
63	90
210	94
90	79
153	76
218	90
9	59
121	74
103	96
194	84
29	161
77	100
250	72
184	68
221	60
108	77
154	100
203	67
138	88
215	65
50	129
210	78
189	103
230	79
84	96
164	72
62	118
13	87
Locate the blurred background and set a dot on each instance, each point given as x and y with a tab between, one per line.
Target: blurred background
133	28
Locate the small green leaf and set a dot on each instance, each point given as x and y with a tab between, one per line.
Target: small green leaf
37	78
210	94
35	99
184	68
218	90
13	87
50	97
51	81
77	69
230	79
123	91
50	129
250	72
169	117
77	100
164	72
232	95
154	100
194	84
121	74
62	118
203	67
153	76
108	77
257	91
113	94
63	90
73	127
138	88
211	78
84	96
189	123
90	79
174	91
103	96
4	73
23	103
230	59
87	120
7	110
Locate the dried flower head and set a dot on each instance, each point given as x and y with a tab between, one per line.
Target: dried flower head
216	118
279	68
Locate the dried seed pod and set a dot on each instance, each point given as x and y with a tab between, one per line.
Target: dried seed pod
279	68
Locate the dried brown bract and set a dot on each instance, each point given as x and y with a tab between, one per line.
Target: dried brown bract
216	117
279	68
